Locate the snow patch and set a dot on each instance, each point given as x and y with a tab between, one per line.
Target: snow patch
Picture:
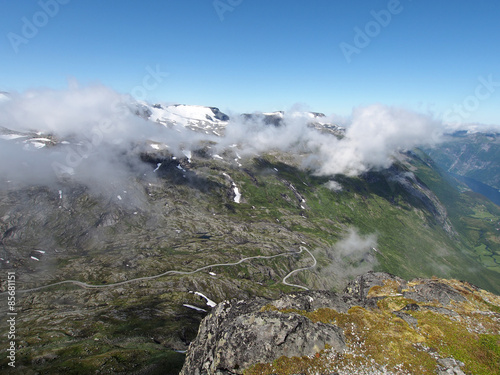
188	154
38	144
9	137
237	194
192	116
193	307
279	114
209	301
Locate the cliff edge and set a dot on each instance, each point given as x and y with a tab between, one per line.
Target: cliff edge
380	323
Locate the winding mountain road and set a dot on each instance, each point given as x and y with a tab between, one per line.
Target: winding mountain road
173	272
300	269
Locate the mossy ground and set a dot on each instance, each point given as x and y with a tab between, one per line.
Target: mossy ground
184	225
90	357
377	340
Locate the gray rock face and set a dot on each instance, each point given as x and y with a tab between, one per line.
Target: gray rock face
356	292
407	318
238	334
434	291
312	300
450	366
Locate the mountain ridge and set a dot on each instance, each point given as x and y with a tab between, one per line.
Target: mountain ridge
209	203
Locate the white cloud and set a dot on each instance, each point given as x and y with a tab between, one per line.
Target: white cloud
374	135
334	186
354	244
351	256
106	136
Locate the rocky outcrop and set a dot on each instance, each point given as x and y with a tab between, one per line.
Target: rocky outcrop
238	334
317	327
435	291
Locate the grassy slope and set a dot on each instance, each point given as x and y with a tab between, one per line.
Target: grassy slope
475	218
268	221
410	241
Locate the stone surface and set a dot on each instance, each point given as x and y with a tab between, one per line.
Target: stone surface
434	291
263	335
237	335
449	366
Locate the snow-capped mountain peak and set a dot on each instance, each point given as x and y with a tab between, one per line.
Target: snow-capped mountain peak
209	120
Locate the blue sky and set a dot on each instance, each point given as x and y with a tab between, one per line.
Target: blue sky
264	55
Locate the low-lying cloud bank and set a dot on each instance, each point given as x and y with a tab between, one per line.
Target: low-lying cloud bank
373	135
105	133
102	134
352	255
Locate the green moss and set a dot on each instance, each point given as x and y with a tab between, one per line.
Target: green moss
377	338
91	356
479	352
292	366
370	335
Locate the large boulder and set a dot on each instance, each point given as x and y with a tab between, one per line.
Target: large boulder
238	334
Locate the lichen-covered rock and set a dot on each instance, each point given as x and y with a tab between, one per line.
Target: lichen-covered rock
449	366
432	290
239	334
380	324
356	292
312	300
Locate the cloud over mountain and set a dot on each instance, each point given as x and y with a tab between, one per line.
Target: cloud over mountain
103	130
374	134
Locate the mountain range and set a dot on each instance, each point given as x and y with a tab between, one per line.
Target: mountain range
123	240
